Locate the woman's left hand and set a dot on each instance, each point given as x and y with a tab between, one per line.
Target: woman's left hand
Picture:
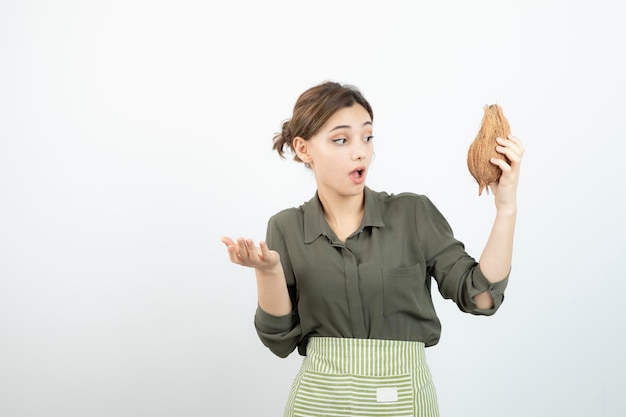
505	189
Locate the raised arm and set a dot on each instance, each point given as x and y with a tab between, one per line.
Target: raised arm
495	261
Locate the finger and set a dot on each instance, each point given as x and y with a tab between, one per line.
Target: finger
508	143
227	241
241	250
509	149
265	251
513	143
232	254
518	142
501	163
253	253
230	247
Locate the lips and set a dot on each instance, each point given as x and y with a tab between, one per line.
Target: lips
358	175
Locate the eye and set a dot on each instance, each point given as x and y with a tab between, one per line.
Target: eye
340	141
368	138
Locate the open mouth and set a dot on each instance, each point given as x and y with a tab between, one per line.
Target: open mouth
358	174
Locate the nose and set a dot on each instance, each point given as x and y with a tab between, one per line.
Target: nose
359	151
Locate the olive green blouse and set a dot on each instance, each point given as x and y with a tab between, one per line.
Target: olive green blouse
377	285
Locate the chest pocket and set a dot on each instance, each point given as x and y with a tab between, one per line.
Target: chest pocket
404	289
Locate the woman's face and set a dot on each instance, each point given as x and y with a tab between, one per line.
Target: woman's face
341	151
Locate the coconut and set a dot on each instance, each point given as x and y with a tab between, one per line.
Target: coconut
480	152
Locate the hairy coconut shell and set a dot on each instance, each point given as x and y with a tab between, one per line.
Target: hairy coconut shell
493	125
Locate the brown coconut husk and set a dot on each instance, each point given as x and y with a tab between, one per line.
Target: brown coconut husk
493	125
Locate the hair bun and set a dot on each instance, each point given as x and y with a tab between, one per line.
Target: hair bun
286	132
283	139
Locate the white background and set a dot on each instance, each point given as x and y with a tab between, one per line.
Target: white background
133	134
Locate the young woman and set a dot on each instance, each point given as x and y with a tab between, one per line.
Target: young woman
346	277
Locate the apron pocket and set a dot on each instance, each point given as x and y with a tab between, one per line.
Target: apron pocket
321	394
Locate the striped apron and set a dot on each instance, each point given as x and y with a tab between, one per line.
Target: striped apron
363	377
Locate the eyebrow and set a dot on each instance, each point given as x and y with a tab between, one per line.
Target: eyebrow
368	123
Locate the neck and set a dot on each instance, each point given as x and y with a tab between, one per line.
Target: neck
343	213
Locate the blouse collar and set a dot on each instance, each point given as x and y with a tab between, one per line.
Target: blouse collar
315	224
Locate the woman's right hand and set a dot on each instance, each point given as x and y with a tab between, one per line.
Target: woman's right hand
245	253
272	287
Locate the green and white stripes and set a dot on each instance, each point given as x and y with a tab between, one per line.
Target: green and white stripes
352	395
363	377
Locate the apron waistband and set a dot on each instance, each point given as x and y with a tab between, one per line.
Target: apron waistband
336	355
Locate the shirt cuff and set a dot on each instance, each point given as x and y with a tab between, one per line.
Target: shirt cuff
271	324
480	284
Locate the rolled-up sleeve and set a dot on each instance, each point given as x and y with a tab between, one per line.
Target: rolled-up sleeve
458	275
476	283
279	333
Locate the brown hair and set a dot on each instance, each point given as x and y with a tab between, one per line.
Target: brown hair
312	109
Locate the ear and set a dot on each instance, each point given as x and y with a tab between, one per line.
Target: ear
301	146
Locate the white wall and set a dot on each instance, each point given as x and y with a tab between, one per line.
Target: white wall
133	134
